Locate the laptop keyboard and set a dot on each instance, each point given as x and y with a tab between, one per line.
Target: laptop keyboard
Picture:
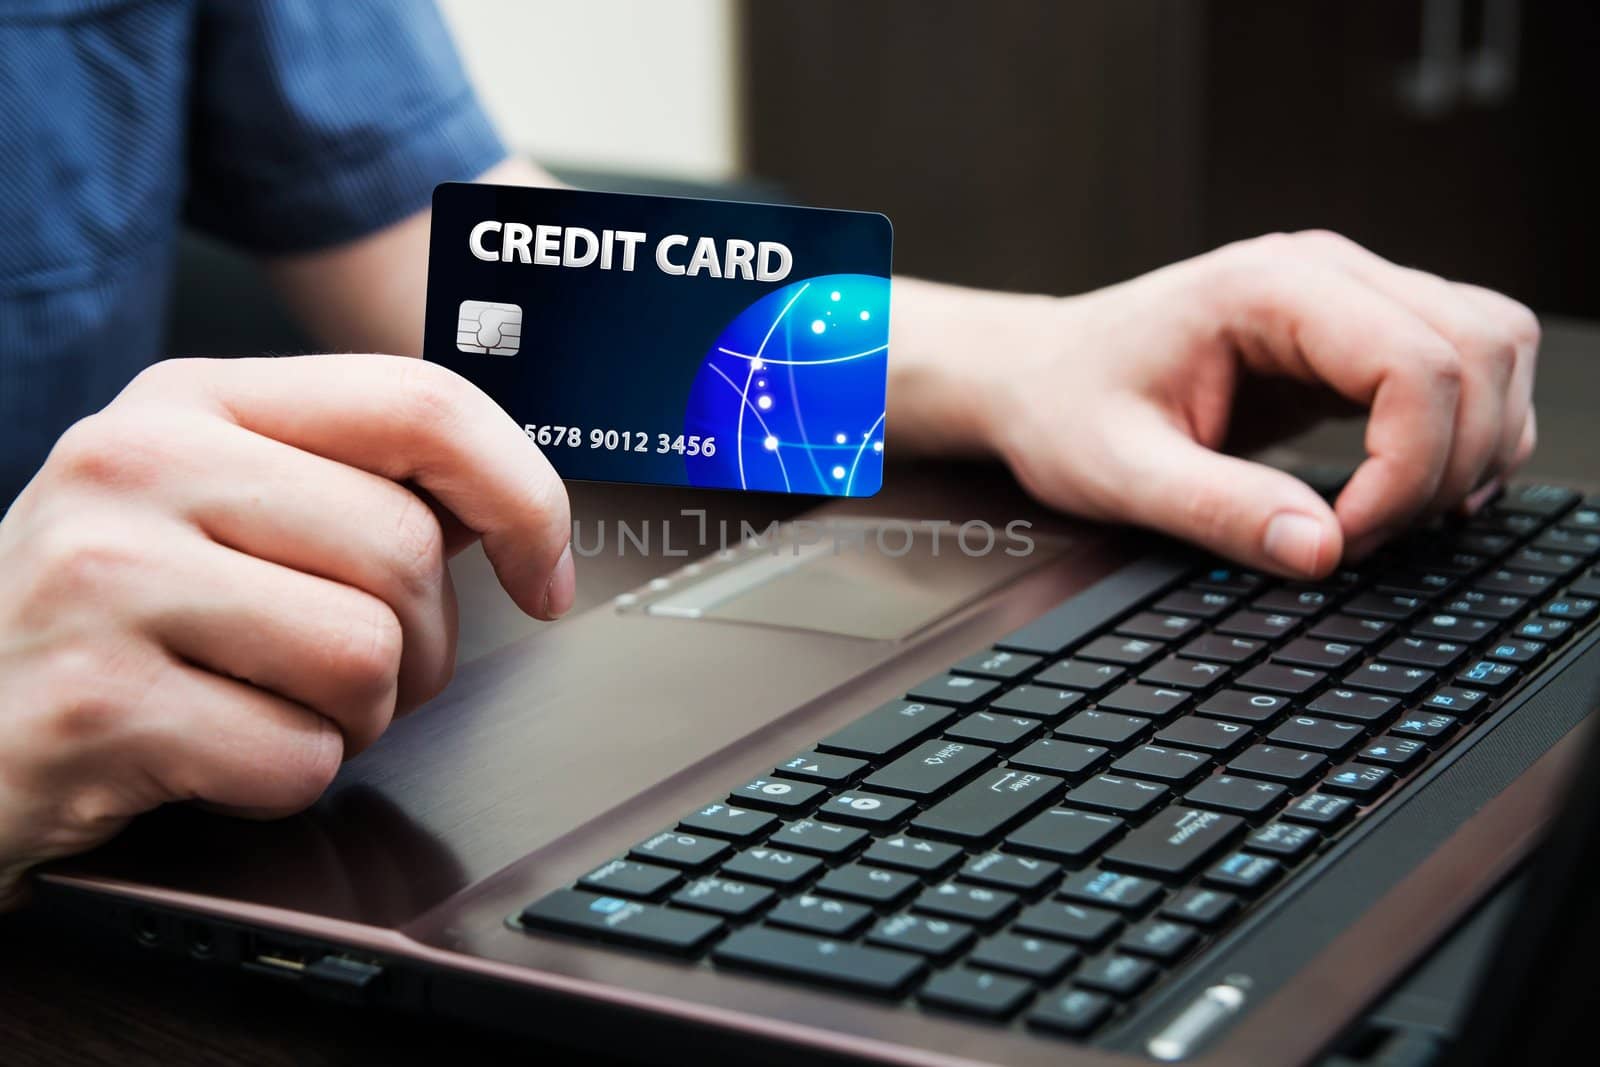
1050	827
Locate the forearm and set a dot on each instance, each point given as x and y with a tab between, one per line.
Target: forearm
369	295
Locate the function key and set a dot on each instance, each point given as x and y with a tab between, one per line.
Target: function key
997	663
1079	674
1312	652
1220	648
1198	603
1206	907
1457	629
1293	600
1041	702
1071	1011
1240	706
1001	731
820	915
887	729
938	938
1069	759
1208	735
1121	976
1516	651
1347	704
1423	652
1540	629
1386	606
823	767
820	838
1360	780
776	794
1238	796
1462	703
624	921
722	897
870	885
1065	834
794	955
625	878
927	858
1320	809
1151	701
1157	627
1349	629
1576	609
984	993
1020	874
1244	873
1034	957
957	690
1389	678
1542	501
865	809
976	904
725	820
1393	751
1485	605
1228	580
1258	625
1425	726
675	849
1127	651
1272	678
1487	674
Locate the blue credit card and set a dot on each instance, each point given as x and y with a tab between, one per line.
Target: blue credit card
667	340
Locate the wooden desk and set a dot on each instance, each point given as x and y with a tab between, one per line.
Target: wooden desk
66	999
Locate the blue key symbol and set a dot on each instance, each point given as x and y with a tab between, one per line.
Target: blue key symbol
607	905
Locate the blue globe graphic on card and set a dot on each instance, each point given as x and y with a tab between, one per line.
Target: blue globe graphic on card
793	391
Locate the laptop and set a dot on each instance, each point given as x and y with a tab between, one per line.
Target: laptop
1102	801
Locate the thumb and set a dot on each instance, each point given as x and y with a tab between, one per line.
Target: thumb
1246	511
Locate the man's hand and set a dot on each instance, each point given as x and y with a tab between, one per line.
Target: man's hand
229	581
1118	404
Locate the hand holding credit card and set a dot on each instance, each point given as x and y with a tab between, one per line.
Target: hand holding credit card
670	341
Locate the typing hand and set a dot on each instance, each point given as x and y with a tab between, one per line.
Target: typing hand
230	580
1118	404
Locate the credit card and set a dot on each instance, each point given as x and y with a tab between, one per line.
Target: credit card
668	340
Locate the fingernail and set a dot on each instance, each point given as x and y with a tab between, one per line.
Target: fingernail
1481	496
1294	541
563	587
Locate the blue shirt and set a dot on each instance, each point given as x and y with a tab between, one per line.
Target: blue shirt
279	126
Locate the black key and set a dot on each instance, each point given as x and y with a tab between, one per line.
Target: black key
1144	700
1160	939
1324	735
1174	765
1209	735
820	767
1125	651
1244	873
1462	703
776	794
1461	564
1157	627
928	858
988	728
1487	674
1041	702
1239	796
978	904
1174	842
1071	1011
1088	611
1360	780
1289	681
1415	583
1176	673
1103	727
1240	706
938	938
1322	655
1484	542
1020	874
1226	579
1121	976
1512	525
1542	501
773	866
861	808
1069	759
624	921
1320	809
1219	648
1388	678
1258	625
1206	907
957	690
624	878
820	838
870	970
1541	629
1034	957
1543	561
1285	840
929	769
723	820
1587	587
1350	630
675	849
1065	834
1393	751
1421	652
997	663
994	996
887	729
1079	674
1353	706
870	885
1069	922
1561	539
1576	608
987	806
820	915
719	896
1516	651
1197	603
1292	600
1108	889
1496	606
1457	629
1115	795
1383	606
1278	763
1517	583
1425	726
1584	518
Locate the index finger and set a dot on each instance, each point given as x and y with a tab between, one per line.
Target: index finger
409	421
